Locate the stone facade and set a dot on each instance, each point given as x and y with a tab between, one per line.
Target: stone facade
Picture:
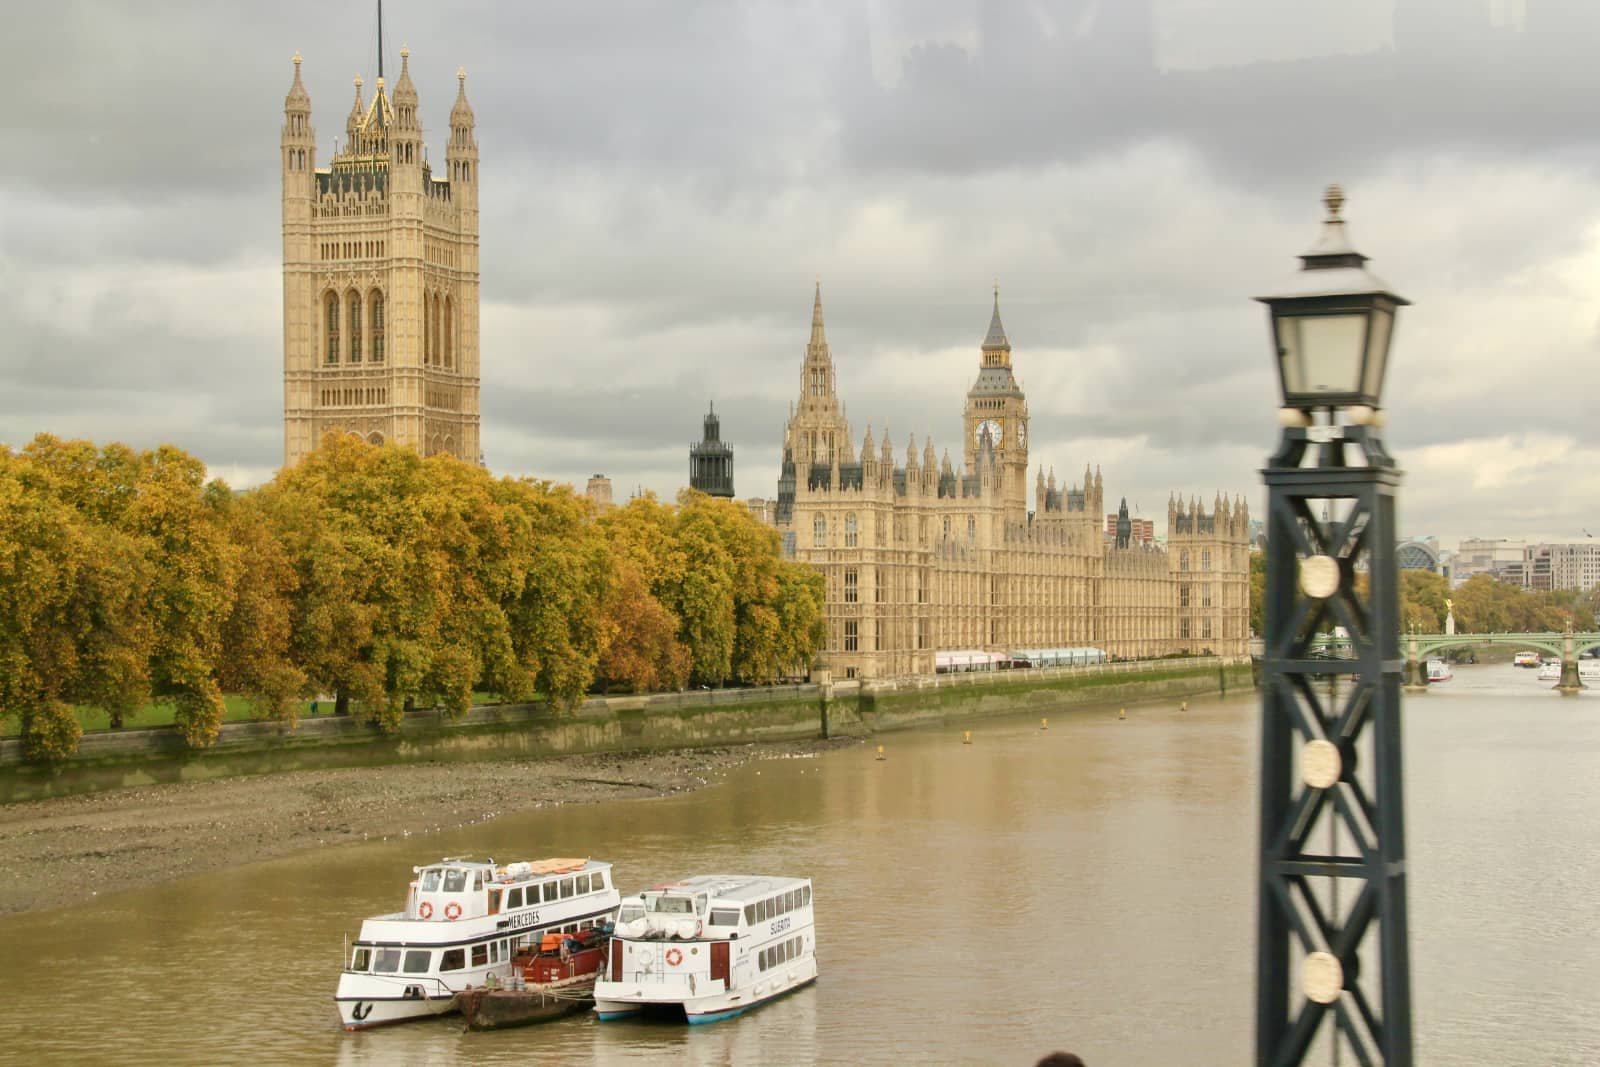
380	277
921	557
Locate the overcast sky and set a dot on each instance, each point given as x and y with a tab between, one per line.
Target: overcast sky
662	183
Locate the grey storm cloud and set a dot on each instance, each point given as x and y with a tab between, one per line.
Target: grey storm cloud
663	182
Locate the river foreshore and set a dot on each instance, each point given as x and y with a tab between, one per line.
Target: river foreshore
105	842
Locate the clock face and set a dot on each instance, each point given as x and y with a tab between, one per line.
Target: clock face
994	432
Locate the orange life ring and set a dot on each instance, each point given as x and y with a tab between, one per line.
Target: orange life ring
425	910
452	911
674	957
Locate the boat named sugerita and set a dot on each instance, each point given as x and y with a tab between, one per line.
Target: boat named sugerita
709	947
463	921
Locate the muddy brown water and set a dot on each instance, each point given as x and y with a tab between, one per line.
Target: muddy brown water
1086	888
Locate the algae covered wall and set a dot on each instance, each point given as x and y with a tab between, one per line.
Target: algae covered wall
126	758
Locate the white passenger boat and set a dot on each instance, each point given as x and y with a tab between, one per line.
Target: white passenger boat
1550	670
710	947
463	921
1439	671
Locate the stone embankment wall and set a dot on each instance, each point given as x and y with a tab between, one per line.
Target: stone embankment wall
136	757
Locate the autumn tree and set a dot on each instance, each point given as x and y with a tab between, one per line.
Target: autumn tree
1422	597
152	507
559	583
258	629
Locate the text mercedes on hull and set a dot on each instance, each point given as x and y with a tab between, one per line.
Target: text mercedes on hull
464	921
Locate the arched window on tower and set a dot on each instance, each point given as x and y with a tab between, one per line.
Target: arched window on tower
437	333
427	329
375	301
331	320
352	300
449	332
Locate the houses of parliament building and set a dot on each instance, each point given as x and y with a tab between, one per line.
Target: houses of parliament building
380	339
921	556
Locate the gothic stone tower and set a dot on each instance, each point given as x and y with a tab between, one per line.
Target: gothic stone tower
817	432
997	409
711	461
380	277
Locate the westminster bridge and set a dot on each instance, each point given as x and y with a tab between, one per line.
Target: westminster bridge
1567	645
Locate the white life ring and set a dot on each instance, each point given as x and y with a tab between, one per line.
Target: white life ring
425	909
646	955
674	957
452	911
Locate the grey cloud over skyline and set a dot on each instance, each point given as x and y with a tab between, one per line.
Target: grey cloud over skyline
661	183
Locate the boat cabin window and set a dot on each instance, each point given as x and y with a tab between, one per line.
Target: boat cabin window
724	917
514	898
494	901
566	888
666	905
453	959
629	913
597	881
388	961
806	895
417	960
750	914
430	879
549	892
361	960
455	880
480	954
477	880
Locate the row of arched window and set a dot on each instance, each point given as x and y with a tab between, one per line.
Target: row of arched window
353	395
355	345
438	330
353	249
295	158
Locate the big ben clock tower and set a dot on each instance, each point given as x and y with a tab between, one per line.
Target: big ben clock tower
997	408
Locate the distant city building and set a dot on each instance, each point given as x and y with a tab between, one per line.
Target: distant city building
763	511
1489	555
1575	565
1418	554
925	557
380	277
711	461
1141	531
599	492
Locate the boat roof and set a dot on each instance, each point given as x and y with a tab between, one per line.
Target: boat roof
743	888
518	872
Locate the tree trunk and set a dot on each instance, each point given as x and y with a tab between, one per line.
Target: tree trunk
341	703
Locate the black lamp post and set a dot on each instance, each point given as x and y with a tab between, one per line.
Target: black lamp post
1332	942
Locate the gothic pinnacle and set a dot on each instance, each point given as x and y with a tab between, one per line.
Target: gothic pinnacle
819	338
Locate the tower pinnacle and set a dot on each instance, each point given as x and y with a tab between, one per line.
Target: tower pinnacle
819	338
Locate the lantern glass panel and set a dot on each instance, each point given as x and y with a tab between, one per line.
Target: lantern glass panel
1321	353
1377	352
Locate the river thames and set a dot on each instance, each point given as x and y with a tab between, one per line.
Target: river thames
1088	888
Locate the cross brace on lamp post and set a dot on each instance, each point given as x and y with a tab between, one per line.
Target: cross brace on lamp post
1333	858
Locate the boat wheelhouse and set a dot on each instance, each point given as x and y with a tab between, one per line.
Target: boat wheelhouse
463	921
710	947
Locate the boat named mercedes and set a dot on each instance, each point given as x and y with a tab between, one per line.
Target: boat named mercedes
464	921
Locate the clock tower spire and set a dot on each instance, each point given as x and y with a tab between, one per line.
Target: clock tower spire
995	404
